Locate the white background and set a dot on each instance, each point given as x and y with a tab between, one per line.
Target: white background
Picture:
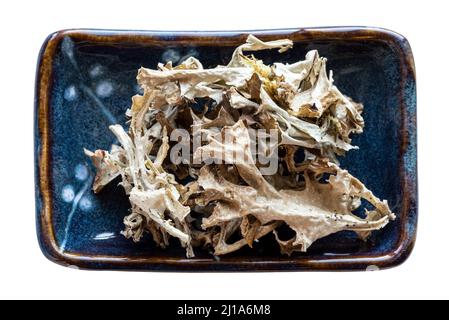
25	273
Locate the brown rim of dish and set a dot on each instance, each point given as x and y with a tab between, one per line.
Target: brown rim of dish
47	239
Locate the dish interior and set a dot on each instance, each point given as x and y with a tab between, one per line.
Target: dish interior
93	83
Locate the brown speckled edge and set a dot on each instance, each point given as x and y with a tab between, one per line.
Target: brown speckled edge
46	233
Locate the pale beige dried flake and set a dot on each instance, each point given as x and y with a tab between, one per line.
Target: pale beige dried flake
108	165
234	199
314	212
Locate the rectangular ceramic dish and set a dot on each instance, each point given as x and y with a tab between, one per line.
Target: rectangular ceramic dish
85	80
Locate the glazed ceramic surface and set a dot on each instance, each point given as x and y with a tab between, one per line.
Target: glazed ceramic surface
85	81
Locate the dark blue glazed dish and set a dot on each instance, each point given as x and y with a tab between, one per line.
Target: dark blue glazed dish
85	80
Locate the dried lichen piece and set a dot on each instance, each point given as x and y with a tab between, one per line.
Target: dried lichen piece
249	228
237	152
152	192
193	81
314	212
222	247
255	44
108	165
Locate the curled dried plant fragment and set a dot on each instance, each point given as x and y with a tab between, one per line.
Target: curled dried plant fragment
219	194
313	212
108	165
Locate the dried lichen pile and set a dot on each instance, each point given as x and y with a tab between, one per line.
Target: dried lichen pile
203	201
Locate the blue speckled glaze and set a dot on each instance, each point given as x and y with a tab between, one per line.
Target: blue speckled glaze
92	86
